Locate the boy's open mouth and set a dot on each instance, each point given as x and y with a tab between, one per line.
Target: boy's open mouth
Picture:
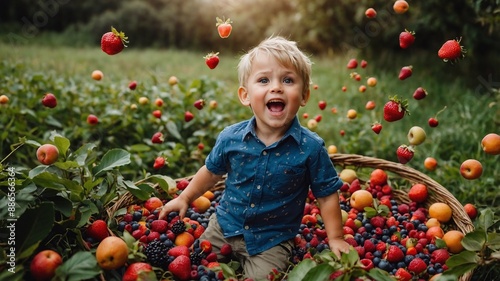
276	105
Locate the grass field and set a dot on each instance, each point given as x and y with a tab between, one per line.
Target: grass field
467	118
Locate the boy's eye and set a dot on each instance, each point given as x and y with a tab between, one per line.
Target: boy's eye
263	80
288	80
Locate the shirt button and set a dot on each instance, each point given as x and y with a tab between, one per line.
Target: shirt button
252	205
246	227
258	186
265	152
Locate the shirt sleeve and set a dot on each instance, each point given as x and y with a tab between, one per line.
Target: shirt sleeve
216	160
324	178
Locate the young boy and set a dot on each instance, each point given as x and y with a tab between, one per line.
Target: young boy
271	161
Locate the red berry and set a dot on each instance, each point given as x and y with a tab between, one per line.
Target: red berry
113	42
419	93
377	127
405	72
451	51
49	100
353	63
404	154
406	39
212	60
224	27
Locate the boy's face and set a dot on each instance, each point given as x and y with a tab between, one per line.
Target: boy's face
274	92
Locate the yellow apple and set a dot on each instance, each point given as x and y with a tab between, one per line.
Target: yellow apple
348	175
332	149
416	135
352	114
361	199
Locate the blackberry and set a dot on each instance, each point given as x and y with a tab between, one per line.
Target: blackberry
178	227
195	258
156	253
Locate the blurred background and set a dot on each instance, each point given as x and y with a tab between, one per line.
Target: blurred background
322	27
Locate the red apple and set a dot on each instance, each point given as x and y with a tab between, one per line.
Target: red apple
471	169
47	154
430	163
370	13
44	265
471	210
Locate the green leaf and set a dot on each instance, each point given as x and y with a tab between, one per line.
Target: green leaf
227	270
319	273
166	183
62	144
173	130
62	205
112	159
474	241
486	219
141	192
380	275
80	155
350	258
81	266
440	243
453	273
139	148
32	227
462	258
494	240
300	270
370	212
67	165
13	274
52	181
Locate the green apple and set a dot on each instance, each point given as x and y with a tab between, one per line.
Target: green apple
416	135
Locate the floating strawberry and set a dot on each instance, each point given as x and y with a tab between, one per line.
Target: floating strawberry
157	138
404	153
419	93
159	162
322	104
113	42
49	100
451	51
405	72
406	39
212	60
180	267
395	109
188	116
377	127
199	104
224	27
353	63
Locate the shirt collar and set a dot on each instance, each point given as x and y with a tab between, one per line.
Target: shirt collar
294	131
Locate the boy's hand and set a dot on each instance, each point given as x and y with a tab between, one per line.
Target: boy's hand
177	204
338	246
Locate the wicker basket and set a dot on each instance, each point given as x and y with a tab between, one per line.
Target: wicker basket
437	193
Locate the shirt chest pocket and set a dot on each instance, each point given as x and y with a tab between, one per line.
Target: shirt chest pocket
287	178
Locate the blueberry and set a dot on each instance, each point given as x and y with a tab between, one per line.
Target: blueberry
135	226
423	227
376	260
384	265
163	237
121	226
431	248
408	259
137	216
377	254
431	270
401	264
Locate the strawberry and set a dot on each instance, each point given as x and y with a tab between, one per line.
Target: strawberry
180	267
378	221
199	104
138	271
226	250
440	256
351	241
224	27
451	51
212	257
369	246
157	138
395	254
98	230
403	275
417	266
157	113
405	72
353	63
376	127
160	226
361	251
364	64
188	116
113	42
182	184
49	100
395	109
404	153
159	163
181	250
198	231
322	104
419	93
406	39
132	85
212	60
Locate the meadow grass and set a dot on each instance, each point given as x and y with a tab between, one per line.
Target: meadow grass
467	118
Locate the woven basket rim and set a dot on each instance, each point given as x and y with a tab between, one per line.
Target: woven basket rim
438	193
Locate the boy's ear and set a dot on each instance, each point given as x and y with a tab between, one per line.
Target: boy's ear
305	98
243	95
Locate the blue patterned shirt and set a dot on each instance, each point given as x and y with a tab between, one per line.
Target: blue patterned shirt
266	187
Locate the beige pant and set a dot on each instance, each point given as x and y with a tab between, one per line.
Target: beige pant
257	266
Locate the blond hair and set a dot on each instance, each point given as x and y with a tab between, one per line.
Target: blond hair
285	51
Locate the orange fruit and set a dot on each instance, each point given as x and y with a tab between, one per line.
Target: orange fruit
111	253
400	6
453	240
418	193
433	233
440	211
184	238
432	222
201	204
361	199
209	194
